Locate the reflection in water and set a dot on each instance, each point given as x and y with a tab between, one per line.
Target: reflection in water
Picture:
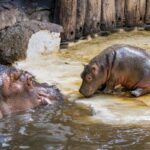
98	123
64	130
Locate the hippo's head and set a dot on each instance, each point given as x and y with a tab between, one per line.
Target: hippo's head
93	79
20	91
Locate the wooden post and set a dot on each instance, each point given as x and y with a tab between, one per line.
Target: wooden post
66	16
142	11
135	12
93	17
108	15
81	13
120	10
147	16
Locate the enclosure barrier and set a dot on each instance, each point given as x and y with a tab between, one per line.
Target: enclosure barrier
85	17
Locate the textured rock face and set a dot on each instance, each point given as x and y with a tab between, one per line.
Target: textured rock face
20	19
15	39
10	14
21	10
47	44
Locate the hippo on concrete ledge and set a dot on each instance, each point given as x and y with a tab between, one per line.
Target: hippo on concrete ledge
123	65
19	91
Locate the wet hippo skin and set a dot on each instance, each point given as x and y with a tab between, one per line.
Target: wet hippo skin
123	65
20	91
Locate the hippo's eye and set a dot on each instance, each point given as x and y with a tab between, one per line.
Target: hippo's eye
89	78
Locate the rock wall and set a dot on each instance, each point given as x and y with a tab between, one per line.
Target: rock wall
78	17
20	19
15	39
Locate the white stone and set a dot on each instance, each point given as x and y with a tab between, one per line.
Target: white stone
43	43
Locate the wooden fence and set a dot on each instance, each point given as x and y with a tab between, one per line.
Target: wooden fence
83	17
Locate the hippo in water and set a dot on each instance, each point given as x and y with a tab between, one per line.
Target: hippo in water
123	65
20	91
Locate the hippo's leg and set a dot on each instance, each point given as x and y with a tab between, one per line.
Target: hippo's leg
140	91
110	84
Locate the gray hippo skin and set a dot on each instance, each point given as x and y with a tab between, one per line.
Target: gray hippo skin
20	91
123	65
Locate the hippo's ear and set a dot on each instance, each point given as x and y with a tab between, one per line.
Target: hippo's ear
95	69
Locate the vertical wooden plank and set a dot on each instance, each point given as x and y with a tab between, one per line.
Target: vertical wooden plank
120	13
130	12
92	18
81	13
108	15
142	11
147	16
66	16
135	12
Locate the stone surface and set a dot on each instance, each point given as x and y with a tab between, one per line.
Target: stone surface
10	14
43	43
14	40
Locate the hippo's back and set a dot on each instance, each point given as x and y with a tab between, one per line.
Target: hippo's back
123	52
129	64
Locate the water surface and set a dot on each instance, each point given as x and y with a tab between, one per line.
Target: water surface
98	123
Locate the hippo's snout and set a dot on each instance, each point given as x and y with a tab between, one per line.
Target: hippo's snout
85	93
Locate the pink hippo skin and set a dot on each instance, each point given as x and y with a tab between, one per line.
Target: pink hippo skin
19	91
123	65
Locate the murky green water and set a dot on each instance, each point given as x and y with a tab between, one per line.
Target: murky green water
102	122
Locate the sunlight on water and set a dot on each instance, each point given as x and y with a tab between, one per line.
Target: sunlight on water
118	110
63	69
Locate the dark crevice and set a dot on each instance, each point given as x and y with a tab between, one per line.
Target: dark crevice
71	33
80	30
119	19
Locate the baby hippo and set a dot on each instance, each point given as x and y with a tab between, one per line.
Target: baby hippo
123	65
19	91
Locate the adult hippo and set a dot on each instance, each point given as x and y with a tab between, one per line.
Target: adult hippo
20	91
123	65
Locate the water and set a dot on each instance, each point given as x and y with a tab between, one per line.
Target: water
99	123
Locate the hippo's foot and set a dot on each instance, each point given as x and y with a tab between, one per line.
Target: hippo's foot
109	86
107	91
139	91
